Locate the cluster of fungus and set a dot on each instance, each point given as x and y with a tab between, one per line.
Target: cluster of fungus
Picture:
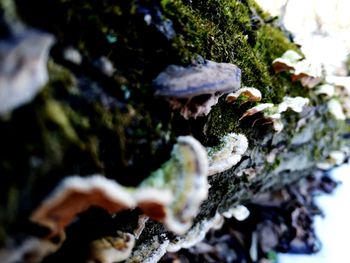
273	113
197	233
334	89
309	74
171	195
174	193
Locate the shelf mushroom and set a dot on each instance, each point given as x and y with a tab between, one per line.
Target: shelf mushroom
193	90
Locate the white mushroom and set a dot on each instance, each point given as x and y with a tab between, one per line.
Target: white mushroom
196	234
239	212
287	61
247	94
326	89
185	176
273	113
335	108
258	108
296	104
309	74
228	153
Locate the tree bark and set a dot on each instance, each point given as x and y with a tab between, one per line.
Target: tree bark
98	114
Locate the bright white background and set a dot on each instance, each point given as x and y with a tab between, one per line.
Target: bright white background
334	228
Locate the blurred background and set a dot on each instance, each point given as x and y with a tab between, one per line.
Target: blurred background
322	29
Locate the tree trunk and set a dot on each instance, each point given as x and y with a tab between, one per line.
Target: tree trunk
97	113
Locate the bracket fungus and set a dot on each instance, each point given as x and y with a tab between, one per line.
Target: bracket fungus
171	195
327	90
256	109
72	55
296	104
309	74
23	70
196	234
273	113
228	153
185	176
287	61
111	249
270	113
194	89
246	94
77	194
339	105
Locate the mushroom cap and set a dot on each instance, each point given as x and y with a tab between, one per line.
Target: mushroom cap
208	78
228	153
185	176
76	194
250	94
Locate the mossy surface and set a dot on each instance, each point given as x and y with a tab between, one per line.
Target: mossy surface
85	121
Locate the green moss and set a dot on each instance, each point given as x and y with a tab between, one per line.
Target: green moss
272	43
219	31
224	31
9	9
55	113
216	125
